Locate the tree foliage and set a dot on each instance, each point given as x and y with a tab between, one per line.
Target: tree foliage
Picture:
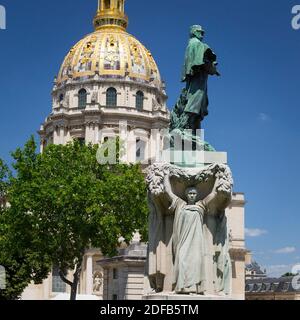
4	174
63	202
289	274
20	245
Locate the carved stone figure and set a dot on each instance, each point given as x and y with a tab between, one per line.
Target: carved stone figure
98	281
94	97
188	224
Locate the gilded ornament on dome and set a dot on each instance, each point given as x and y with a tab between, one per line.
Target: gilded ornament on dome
151	61
112	41
70	57
84	60
136	53
88	48
93	39
67	68
88	51
72	51
112	55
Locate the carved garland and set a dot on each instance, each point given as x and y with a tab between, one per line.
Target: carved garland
157	172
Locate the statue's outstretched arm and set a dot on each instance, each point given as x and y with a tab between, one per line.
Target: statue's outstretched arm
212	196
168	190
217	201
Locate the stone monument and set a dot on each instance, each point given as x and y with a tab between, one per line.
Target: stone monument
189	190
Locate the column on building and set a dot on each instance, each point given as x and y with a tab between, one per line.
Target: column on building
89	274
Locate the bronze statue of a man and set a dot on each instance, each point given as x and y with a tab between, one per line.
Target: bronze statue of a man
200	62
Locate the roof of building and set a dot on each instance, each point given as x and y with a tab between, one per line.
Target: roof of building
272	285
254	266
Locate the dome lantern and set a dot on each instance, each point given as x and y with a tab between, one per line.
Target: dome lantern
111	13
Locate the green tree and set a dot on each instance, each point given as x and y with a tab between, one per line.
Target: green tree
4	174
289	274
20	247
68	203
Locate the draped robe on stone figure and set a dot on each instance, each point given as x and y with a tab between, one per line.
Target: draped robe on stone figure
188	246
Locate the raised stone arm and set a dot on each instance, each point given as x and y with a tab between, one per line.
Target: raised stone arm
160	190
219	199
168	188
168	191
212	196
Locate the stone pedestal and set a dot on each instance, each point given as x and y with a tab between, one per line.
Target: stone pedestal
193	159
184	297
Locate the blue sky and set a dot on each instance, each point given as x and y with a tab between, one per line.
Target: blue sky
254	106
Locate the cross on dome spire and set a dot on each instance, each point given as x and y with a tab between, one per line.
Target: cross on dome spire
111	13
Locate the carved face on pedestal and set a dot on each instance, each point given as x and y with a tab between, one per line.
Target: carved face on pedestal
191	194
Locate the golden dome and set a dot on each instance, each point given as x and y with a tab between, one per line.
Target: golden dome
110	51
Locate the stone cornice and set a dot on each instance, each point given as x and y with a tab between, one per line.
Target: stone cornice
121	259
74	84
238	199
237	253
105	116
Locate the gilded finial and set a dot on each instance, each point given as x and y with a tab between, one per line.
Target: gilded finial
111	13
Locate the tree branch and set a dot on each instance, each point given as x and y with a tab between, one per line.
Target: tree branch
64	279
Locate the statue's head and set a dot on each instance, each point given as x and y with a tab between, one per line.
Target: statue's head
197	31
191	194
